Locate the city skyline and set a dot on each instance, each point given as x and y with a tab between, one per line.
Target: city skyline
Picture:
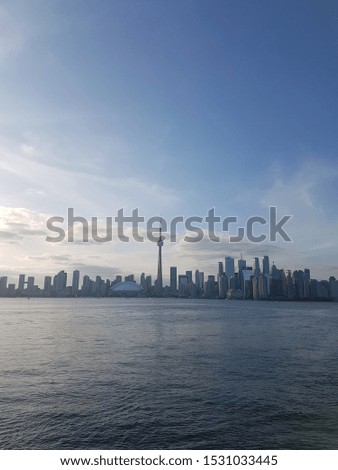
174	109
260	281
198	258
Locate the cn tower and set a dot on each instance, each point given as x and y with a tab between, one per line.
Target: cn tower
159	281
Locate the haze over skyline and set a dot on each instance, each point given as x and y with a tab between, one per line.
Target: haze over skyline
173	108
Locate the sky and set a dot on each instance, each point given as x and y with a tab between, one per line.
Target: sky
171	107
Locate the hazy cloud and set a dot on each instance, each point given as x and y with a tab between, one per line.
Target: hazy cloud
8	236
11	36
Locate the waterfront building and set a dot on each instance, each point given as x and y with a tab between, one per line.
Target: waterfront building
47	286
75	282
30	285
229	266
3	286
266	272
210	288
21	284
255	267
247	275
241	267
222	286
173	280
333	288
183	290
60	283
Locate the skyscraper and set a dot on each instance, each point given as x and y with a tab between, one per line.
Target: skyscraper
21	285
222	286
210	287
247	275
159	280
220	268
199	281
266	266
97	286
241	267
255	267
266	272
47	287
183	285
3	286
75	282
173	279
86	286
60	283
30	285
189	275
229	266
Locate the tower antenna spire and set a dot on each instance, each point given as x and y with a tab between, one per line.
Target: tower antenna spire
159	280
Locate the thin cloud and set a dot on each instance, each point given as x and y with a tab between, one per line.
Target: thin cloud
8	236
12	39
67	185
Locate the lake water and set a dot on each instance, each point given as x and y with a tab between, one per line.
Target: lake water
168	374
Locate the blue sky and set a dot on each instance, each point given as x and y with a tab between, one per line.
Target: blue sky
173	107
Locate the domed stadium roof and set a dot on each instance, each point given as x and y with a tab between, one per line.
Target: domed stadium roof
126	288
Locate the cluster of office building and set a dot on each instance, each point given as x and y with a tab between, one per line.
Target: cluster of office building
256	282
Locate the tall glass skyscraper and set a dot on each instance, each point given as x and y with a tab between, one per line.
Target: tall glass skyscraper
229	266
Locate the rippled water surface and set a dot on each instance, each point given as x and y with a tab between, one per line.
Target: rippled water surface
168	374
